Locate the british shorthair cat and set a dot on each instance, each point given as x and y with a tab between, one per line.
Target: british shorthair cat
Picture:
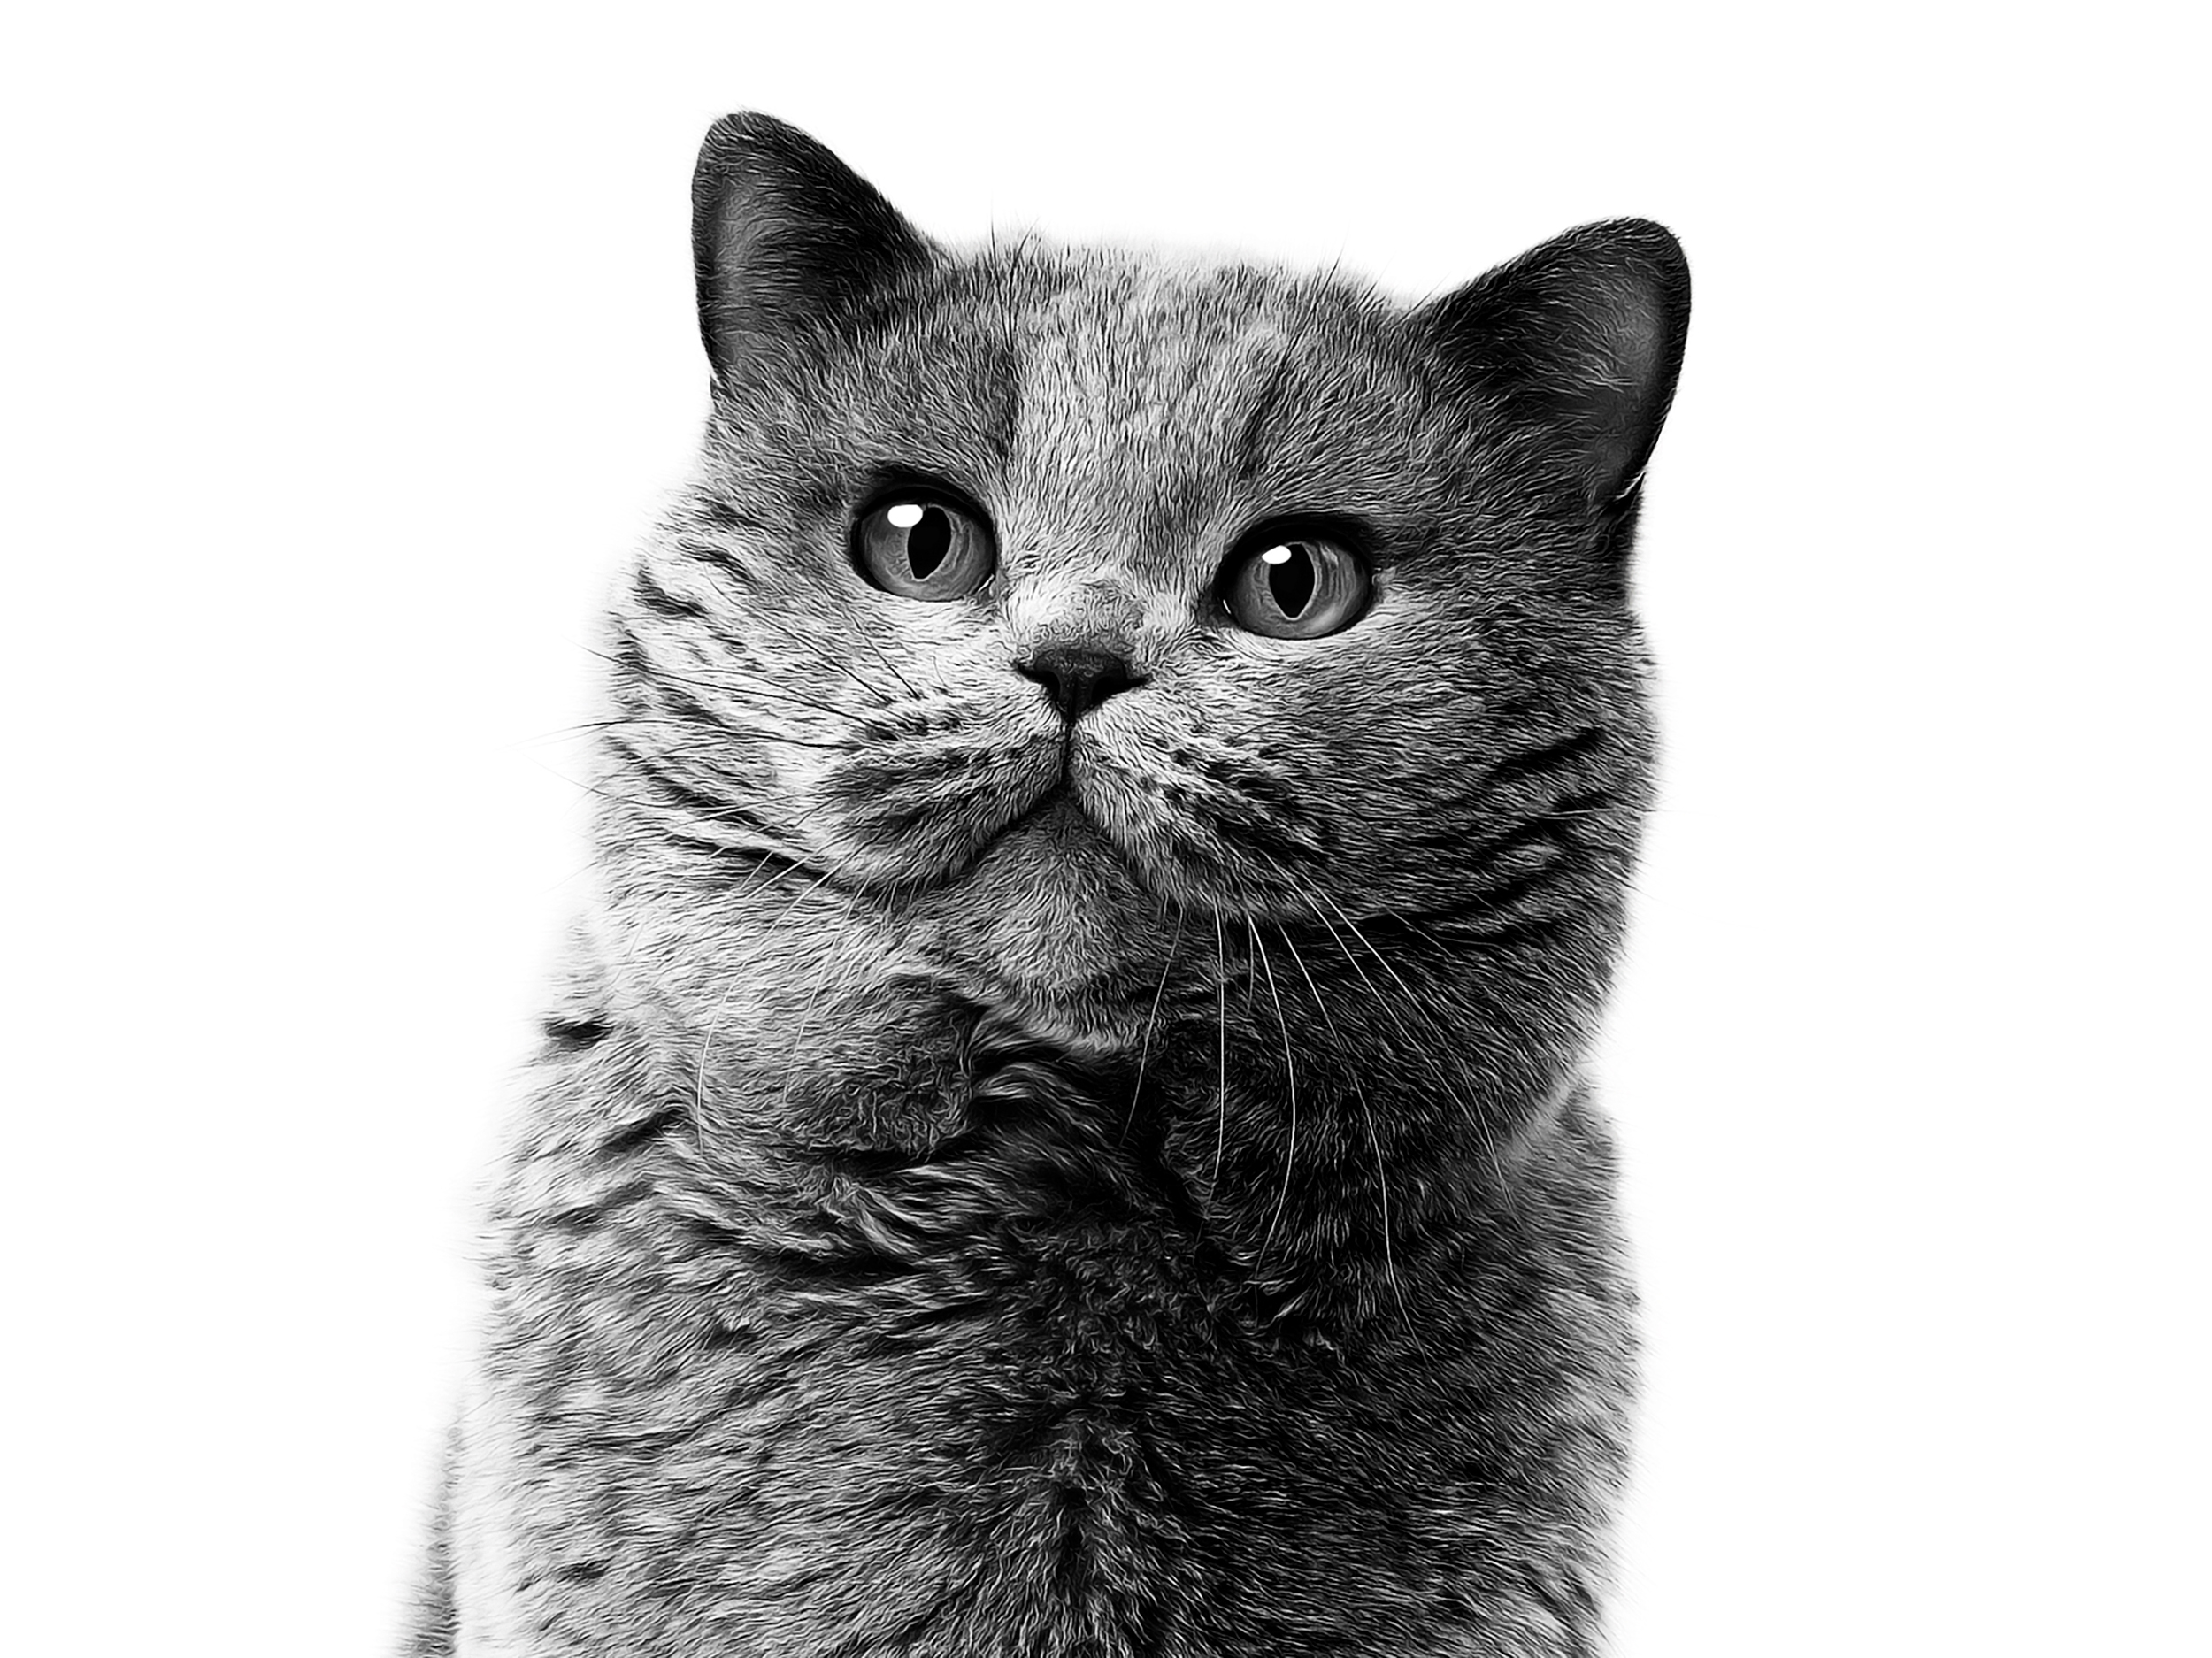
1061	1133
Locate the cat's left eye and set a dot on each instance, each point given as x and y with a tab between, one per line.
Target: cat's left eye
1297	586
921	547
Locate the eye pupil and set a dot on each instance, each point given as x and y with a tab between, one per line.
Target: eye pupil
928	541
1290	579
1285	581
916	547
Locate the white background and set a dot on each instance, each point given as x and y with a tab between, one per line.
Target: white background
344	352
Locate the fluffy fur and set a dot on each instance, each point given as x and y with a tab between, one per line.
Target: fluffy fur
1001	1185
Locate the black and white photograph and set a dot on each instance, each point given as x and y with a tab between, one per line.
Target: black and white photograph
1173	832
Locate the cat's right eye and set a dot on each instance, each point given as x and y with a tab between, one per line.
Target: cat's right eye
923	547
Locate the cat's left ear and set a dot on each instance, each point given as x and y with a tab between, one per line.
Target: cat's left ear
1584	333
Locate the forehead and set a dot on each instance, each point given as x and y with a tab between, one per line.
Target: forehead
1135	371
1146	409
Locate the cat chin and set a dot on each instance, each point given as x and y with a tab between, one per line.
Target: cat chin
1052	916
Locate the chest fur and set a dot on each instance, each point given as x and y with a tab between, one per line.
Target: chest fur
1014	1398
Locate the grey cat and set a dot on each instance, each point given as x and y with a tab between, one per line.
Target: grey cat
1061	1132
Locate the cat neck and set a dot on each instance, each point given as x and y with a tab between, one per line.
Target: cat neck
1309	1117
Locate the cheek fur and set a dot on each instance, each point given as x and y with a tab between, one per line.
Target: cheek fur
927	785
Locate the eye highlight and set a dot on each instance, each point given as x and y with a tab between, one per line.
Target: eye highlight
923	547
1296	585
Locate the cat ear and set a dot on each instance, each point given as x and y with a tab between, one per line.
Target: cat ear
785	237
1585	334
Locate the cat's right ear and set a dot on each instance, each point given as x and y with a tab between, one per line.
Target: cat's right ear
785	238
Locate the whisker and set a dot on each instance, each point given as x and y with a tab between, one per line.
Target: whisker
791	854
730	812
749	684
707	728
1144	1051
818	985
1374	1140
1221	1006
737	977
1381	1000
1413	1004
1290	1075
821	653
710	739
645	670
867	637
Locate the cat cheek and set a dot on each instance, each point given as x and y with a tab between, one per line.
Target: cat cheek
930	787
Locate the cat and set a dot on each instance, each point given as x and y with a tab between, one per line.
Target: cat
1060	1131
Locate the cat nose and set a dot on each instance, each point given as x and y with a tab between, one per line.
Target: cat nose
1079	681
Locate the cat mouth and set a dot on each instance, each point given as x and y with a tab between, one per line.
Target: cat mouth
1056	799
1058	810
1058	792
1061	824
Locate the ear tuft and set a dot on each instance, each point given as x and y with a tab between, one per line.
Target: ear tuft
1584	333
784	237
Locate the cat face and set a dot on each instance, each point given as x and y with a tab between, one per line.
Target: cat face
1041	596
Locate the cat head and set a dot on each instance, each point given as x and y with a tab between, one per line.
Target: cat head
1034	600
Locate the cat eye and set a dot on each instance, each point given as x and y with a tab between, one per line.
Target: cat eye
1297	586
923	547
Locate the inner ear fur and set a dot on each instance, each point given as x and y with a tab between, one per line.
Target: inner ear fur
1583	333
785	237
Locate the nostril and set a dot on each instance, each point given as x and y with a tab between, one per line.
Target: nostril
1079	680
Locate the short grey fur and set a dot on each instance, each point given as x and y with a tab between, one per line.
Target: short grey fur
1105	1173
